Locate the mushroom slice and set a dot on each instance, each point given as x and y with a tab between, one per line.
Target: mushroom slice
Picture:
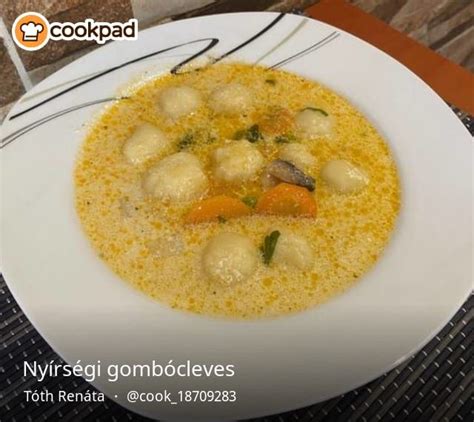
268	181
289	173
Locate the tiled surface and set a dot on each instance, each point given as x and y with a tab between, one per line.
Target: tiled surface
65	11
11	86
446	26
227	6
147	11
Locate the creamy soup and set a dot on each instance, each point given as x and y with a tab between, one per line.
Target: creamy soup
237	191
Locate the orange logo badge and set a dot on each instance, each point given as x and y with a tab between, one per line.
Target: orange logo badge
30	31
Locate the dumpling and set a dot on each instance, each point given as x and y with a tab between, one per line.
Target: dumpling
230	99
178	177
293	250
236	162
313	123
146	141
177	101
344	176
230	258
298	155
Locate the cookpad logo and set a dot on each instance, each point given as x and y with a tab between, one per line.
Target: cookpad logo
32	31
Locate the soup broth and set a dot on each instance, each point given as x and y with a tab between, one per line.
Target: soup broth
148	240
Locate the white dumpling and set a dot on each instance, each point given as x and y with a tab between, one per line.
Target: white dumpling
294	251
299	155
237	162
344	176
146	141
177	101
178	177
230	99
230	258
313	123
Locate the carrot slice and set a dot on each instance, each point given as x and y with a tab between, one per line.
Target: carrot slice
287	200
215	208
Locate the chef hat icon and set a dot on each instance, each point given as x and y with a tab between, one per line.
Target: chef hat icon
31	30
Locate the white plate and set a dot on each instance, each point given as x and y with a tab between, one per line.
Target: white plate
85	312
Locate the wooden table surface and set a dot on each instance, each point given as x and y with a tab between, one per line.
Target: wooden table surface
452	82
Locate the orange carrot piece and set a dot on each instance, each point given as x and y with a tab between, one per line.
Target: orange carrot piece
287	200
220	206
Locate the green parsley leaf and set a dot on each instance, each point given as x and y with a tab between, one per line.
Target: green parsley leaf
285	139
319	110
252	134
186	141
268	247
250	201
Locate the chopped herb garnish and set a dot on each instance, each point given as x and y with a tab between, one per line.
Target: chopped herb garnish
268	247
250	201
285	139
252	134
271	81
319	110
240	134
282	139
221	219
210	139
186	141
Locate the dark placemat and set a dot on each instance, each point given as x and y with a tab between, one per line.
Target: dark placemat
434	385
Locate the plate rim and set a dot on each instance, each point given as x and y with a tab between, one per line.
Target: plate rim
420	344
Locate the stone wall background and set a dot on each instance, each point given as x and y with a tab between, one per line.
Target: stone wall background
446	26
